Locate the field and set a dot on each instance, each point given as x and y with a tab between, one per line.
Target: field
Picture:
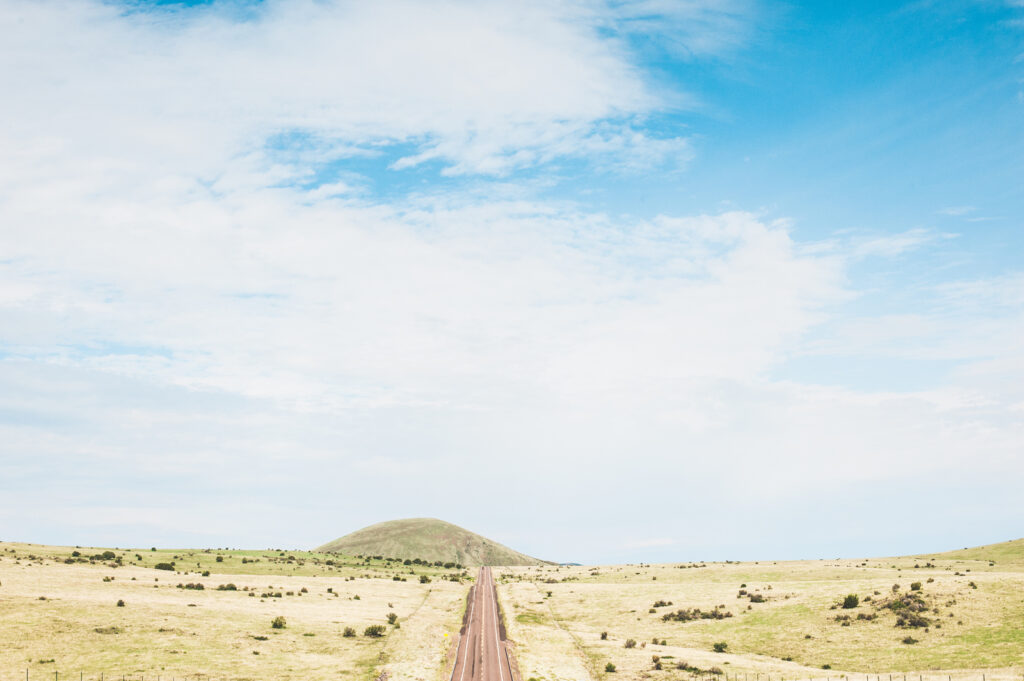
59	613
962	617
957	616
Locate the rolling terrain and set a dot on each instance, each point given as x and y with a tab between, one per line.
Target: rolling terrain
959	613
953	616
429	539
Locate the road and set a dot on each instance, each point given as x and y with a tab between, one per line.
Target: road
482	655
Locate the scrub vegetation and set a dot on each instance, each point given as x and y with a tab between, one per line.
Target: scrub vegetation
958	613
224	613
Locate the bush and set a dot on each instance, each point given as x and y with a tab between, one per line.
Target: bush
278	623
691	614
609	667
910	640
916	586
720	646
424	579
392	618
851	601
374	630
630	643
604	635
349	632
220	559
120	604
227	587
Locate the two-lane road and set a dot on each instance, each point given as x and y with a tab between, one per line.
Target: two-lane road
482	655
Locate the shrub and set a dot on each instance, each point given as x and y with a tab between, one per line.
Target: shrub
720	646
120	604
757	598
278	623
910	640
426	580
220	559
604	635
916	586
690	614
826	666
392	618
374	630
165	566
630	643
227	587
609	667
349	632
851	601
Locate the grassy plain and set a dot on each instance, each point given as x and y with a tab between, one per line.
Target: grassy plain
59	613
974	609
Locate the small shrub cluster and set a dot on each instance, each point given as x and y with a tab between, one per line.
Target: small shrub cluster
691	614
661	604
909	608
278	623
227	587
374	631
720	647
196	586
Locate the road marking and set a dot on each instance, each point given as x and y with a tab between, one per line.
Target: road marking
497	645
469	627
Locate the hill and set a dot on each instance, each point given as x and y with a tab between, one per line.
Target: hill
429	539
1003	552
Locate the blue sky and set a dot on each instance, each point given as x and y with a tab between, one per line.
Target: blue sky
678	278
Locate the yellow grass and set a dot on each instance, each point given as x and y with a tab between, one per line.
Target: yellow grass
67	613
985	634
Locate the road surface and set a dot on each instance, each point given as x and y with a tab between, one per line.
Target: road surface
482	655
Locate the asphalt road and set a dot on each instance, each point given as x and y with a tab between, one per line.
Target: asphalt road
482	655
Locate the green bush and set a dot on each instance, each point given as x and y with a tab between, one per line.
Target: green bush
630	643
278	623
349	632
374	631
392	618
424	579
609	667
851	601
165	566
916	586
720	646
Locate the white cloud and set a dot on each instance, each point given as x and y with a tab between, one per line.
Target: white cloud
178	317
106	98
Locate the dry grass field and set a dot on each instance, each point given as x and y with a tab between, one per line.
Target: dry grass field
965	618
59	613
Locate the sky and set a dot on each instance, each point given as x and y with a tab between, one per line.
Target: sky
603	280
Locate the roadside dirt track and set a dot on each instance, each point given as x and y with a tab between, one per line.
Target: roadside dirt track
482	654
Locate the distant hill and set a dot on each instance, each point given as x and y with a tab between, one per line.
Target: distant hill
1003	552
429	539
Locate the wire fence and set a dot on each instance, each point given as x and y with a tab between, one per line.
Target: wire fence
1011	674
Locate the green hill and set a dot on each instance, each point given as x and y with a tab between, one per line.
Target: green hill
429	539
1003	552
